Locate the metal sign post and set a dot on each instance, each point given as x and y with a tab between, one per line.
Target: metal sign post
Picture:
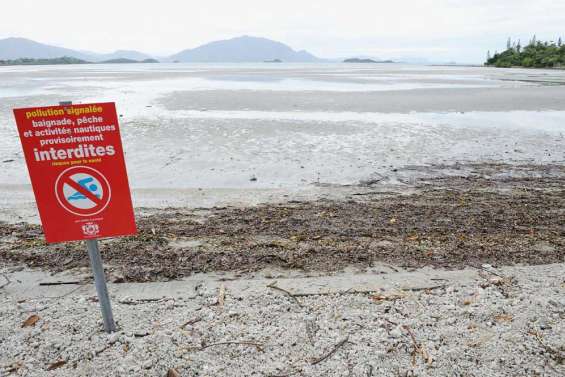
100	283
99	278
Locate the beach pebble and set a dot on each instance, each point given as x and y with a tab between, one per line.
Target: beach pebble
147	364
113	338
396	332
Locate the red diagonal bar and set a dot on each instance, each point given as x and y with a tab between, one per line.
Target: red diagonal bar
82	190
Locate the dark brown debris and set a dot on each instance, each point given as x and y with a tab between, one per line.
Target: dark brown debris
450	222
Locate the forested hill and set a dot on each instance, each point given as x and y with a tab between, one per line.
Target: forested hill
30	61
536	54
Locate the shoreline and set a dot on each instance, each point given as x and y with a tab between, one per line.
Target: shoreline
496	214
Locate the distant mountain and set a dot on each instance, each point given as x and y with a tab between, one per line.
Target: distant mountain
127	61
124	54
16	48
243	49
240	49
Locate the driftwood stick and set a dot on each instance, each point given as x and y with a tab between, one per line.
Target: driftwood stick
411	333
286	374
59	283
221	295
66	294
364	292
102	350
491	271
143	300
555	353
329	354
391	267
418	348
8	281
252	344
172	372
418	289
289	294
190	322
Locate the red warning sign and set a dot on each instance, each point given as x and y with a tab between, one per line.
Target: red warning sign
75	160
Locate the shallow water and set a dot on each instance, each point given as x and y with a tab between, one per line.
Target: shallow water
187	126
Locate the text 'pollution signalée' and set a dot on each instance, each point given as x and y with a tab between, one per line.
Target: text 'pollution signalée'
76	164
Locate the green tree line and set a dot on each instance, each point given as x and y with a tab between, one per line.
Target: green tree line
536	54
31	61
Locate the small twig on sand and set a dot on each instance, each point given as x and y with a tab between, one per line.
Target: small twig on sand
191	322
289	294
305	294
418	289
286	374
365	292
221	295
391	322
329	354
295	296
258	346
65	294
391	267
59	283
557	355
491	271
172	372
102	350
418	347
11	368
311	331
143	301
8	281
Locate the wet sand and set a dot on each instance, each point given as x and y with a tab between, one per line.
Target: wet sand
217	127
394	101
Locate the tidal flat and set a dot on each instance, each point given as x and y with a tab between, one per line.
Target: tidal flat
301	219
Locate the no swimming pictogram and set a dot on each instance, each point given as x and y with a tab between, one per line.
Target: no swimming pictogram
83	191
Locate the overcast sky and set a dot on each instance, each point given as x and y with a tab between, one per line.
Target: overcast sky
440	30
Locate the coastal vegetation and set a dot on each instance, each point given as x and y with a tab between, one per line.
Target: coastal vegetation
536	54
70	60
31	61
366	60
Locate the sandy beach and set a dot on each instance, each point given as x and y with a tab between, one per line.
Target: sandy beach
315	220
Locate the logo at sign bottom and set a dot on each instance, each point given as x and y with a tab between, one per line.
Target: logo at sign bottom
90	229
